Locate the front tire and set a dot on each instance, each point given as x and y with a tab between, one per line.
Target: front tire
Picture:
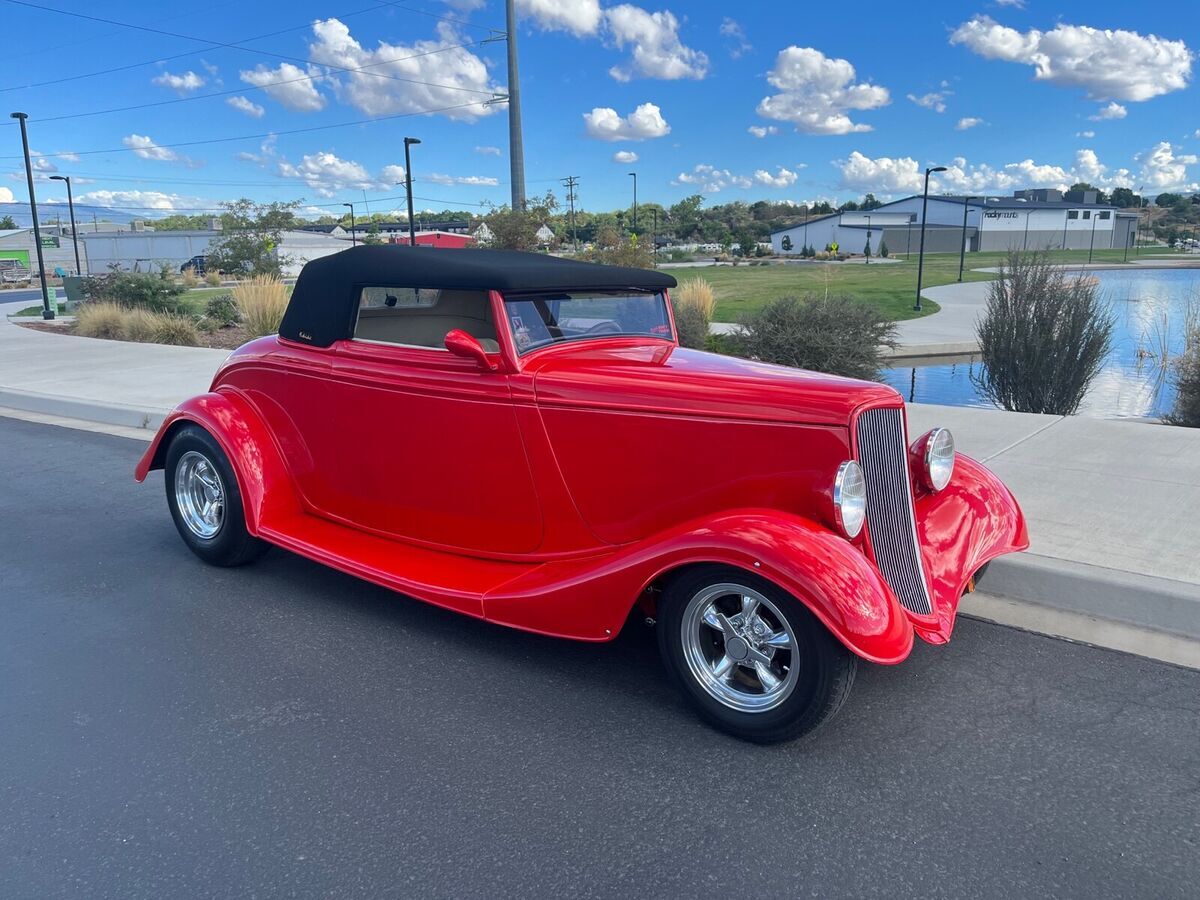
205	501
751	659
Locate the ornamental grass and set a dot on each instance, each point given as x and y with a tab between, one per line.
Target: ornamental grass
262	301
693	302
100	319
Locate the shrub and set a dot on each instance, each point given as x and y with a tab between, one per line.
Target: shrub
262	301
883	249
100	319
1042	338
1185	372
835	334
189	279
693	303
139	325
222	310
212	278
173	329
134	289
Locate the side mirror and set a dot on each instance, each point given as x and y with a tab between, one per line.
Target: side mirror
462	344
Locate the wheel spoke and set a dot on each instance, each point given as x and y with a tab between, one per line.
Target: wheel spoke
768	678
780	640
757	656
712	619
723	667
749	608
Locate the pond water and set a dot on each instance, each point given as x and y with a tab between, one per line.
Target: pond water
1151	306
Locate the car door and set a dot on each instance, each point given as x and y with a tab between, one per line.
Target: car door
426	445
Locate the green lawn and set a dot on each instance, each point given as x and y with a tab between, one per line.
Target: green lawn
889	286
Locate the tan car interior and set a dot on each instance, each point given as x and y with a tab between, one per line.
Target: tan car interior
428	325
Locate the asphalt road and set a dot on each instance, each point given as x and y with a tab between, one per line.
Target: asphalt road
28	297
168	729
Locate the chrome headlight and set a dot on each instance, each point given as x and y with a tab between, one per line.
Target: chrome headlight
938	458
850	498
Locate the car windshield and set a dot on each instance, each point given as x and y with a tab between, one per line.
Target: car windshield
537	320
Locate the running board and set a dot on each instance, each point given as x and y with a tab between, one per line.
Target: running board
443	579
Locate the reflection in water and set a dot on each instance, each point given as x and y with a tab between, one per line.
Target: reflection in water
1151	308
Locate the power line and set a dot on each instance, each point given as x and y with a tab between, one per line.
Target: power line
233	46
162	59
260	135
260	87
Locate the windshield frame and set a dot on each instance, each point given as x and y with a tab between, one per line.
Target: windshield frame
555	296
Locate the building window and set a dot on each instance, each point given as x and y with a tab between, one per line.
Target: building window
1087	213
1073	214
1104	215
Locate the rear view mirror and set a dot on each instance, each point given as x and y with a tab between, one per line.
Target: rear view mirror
462	344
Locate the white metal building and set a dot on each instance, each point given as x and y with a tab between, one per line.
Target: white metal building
1030	220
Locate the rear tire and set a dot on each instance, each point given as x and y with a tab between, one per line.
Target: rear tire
206	502
750	658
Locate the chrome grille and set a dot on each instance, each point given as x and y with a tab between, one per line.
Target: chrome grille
883	455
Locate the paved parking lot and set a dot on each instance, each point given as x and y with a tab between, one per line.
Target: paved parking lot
168	729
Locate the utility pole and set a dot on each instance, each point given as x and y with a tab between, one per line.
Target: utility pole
570	182
47	312
516	146
633	175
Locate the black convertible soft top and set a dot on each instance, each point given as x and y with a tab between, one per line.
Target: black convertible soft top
323	303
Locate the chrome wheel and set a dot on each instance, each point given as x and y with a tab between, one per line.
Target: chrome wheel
199	494
739	647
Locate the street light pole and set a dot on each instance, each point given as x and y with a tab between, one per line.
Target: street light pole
408	179
74	230
921	253
1137	236
868	262
1092	242
634	176
353	229
962	253
47	312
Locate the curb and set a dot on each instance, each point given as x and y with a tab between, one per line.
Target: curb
87	410
932	350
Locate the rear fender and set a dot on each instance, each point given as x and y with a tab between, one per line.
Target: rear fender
261	474
591	599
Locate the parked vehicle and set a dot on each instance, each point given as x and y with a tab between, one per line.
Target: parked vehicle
198	265
15	275
520	438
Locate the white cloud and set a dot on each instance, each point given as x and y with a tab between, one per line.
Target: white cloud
141	199
737	44
1085	134
488	151
41	163
967	122
761	131
1114	110
248	106
143	146
781	179
67	156
426	75
657	50
183	84
935	100
1015	4
885	175
817	92
290	86
711	180
645	123
1106	64
625	157
326	174
580	17
438	178
6	196
1163	169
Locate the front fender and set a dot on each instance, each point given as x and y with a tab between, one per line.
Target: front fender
261	474
590	599
974	519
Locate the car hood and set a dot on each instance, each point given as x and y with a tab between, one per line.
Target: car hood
663	378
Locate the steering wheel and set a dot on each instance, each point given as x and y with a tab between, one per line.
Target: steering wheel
604	328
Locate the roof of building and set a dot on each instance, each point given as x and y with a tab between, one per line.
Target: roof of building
324	300
322	229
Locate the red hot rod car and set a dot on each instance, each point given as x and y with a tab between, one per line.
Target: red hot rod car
522	439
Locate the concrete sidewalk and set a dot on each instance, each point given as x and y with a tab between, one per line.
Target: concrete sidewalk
1110	504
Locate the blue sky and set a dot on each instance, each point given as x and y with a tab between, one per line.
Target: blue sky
734	101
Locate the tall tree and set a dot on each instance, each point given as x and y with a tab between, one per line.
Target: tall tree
250	237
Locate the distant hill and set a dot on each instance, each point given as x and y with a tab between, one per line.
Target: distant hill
49	212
